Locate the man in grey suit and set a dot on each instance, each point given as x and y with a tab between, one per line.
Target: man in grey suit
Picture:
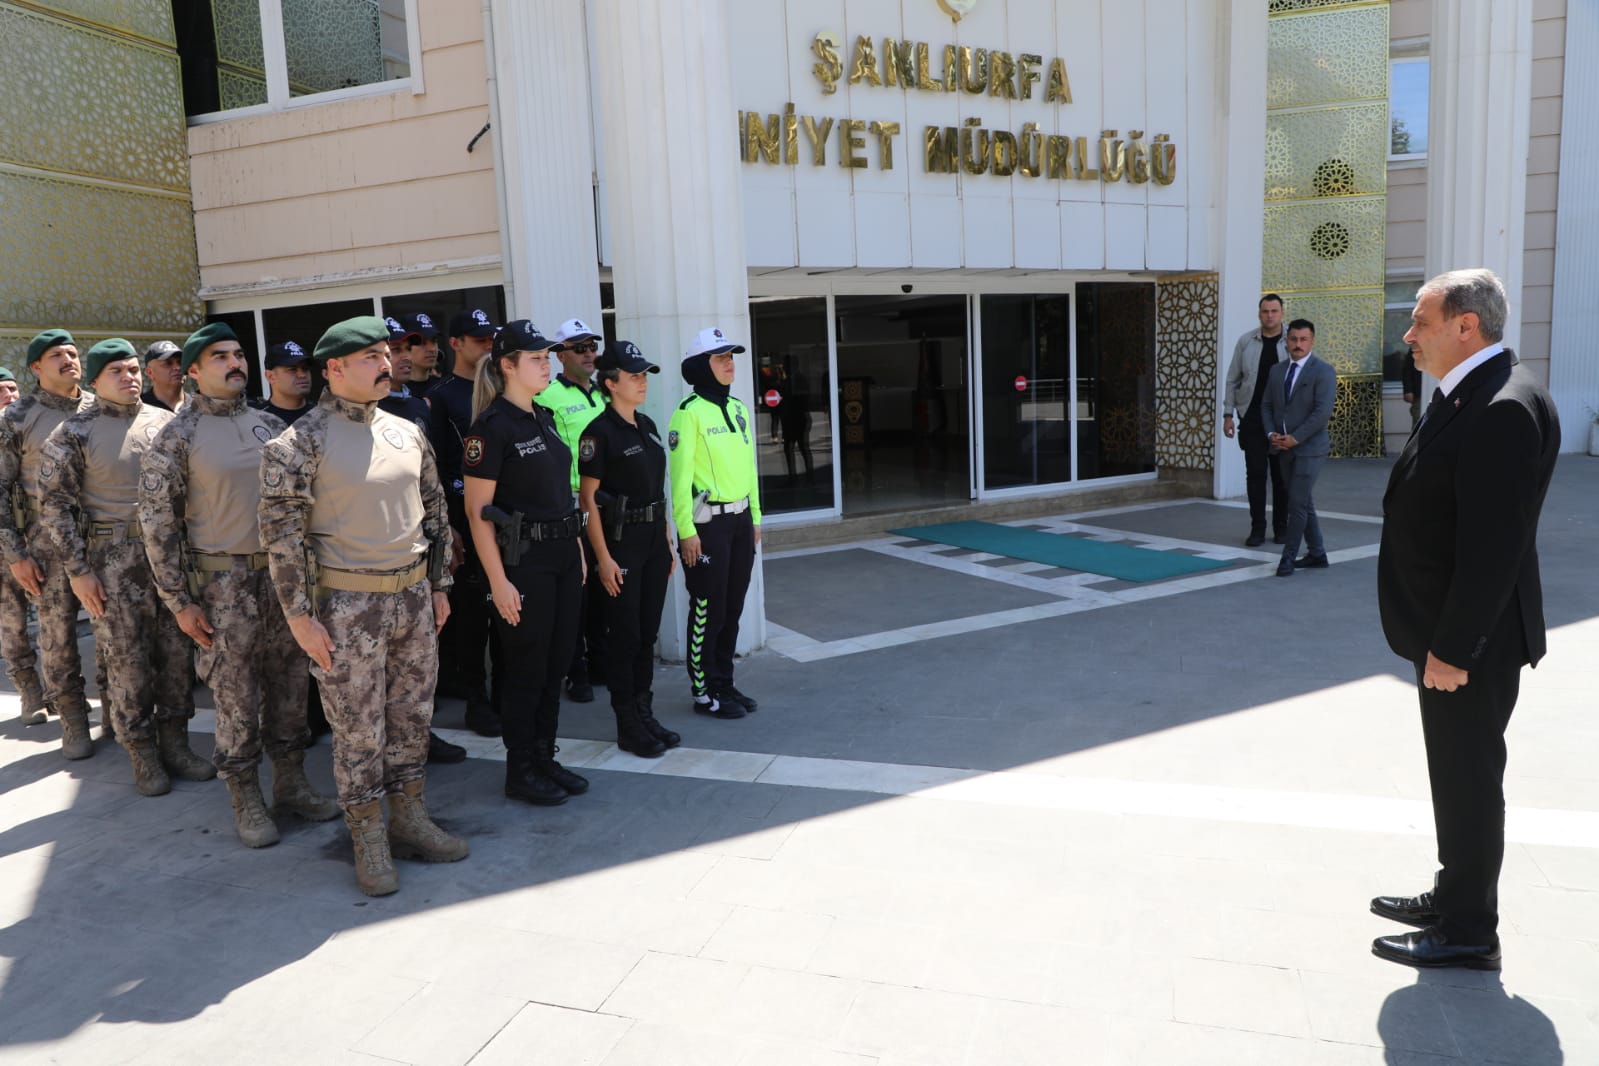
1296	408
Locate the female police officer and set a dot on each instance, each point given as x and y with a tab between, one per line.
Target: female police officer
622	464
716	506
517	469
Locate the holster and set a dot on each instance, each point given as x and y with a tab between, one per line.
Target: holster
438	560
615	515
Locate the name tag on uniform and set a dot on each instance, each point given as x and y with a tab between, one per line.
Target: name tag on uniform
525	448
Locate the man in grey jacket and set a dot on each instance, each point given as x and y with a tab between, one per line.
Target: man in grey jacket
1296	408
1253	357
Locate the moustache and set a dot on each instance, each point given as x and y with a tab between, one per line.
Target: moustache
235	374
383	377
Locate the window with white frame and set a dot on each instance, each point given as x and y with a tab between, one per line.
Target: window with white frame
1408	72
1399	299
266	53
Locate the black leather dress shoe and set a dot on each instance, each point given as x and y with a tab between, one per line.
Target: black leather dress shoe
1420	911
1431	948
1311	562
1255	540
1285	568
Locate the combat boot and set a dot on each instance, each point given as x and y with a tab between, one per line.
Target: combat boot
35	710
413	835
544	762
374	866
172	739
292	791
149	776
250	818
75	742
631	735
646	714
524	782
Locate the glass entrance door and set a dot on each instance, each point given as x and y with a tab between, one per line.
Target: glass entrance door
904	422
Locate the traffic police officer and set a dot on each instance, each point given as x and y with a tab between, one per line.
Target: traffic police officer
353	521
199	489
716	506
518	468
24	426
89	470
575	401
622	463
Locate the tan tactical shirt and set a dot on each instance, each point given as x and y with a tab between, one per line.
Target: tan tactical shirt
356	486
23	429
200	488
90	466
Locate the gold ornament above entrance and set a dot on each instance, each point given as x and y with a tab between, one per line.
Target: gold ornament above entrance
956	9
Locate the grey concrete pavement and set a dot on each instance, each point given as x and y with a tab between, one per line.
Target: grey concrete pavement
987	813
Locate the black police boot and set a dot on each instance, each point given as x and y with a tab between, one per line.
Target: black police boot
544	761
646	714
631	735
481	717
578	688
524	781
442	751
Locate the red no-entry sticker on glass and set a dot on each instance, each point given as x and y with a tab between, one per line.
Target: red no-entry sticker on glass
772	398
1021	383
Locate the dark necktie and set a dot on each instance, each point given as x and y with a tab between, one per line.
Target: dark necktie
1288	380
1438	399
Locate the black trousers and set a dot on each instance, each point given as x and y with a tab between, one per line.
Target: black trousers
633	619
469	630
1259	462
716	588
536	651
589	656
1465	736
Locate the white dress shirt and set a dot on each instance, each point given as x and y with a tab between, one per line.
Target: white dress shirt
1467	365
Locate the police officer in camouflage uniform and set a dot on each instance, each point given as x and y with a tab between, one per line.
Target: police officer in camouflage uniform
89	484
24	426
353	520
199	489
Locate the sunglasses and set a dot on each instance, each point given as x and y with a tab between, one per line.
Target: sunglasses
587	346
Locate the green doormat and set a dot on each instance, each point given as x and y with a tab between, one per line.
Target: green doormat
1064	550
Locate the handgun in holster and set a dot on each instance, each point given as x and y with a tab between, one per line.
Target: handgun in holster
507	534
438	558
613	512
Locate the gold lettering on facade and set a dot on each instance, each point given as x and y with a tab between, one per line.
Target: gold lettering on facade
1060	160
1058	90
1004	153
1027	73
1083	169
817	132
1137	157
760	136
924	77
886	132
1112	155
974	147
1163	159
1030	150
899	62
1002	75
865	65
849	144
973	70
941	150
830	68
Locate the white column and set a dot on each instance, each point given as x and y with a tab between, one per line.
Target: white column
1241	220
545	152
674	205
1478	123
1573	361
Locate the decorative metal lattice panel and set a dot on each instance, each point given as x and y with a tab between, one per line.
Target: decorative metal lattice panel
1289	7
1186	322
1327	57
117	259
238	89
1348	327
1328	152
91	104
332	44
1333	244
14	346
151	19
1356	426
236	25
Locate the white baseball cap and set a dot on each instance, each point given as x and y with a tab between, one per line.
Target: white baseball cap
711	341
574	329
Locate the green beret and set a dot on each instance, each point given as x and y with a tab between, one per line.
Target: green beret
6	374
350	336
113	350
47	340
203	338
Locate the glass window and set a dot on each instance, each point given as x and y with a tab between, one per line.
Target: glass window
793	392
439	306
1026	390
1400	300
1407	107
1115	379
327	45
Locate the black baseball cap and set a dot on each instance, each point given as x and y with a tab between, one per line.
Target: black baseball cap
161	350
625	356
473	323
522	336
421	324
397	331
286	354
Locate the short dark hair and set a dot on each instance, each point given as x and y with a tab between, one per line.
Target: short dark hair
1302	323
1269	296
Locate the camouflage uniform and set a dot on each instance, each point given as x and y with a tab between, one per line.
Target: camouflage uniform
90	467
355	492
194	510
24	427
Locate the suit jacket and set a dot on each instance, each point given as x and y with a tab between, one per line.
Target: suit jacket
1457	573
1305	413
1240	387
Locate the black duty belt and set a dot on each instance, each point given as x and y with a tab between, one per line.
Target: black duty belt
651	513
570	526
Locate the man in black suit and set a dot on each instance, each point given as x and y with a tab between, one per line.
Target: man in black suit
1457	585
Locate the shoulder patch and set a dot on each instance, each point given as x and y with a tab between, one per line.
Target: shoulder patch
394	437
585	448
47	470
671	439
262	433
150	481
474	450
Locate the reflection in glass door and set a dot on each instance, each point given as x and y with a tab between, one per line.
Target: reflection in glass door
1115	379
905	435
1026	389
793	408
